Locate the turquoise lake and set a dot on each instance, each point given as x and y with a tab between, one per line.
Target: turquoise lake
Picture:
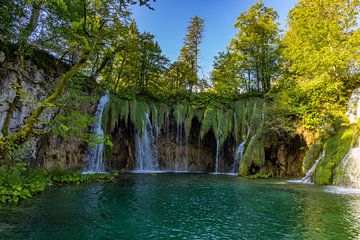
184	206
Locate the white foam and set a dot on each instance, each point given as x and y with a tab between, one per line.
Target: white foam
342	190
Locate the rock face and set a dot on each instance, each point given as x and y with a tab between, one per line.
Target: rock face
176	152
39	79
35	86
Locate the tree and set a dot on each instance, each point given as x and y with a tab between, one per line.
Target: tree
138	62
256	46
226	74
321	57
189	53
74	31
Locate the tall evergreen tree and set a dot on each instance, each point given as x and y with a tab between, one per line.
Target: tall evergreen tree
189	53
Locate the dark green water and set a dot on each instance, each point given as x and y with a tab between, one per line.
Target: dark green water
184	207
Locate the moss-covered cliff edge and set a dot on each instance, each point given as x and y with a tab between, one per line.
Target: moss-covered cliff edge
192	136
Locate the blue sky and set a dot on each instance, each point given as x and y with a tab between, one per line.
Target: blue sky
170	18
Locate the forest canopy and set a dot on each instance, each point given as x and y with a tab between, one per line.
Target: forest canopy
307	71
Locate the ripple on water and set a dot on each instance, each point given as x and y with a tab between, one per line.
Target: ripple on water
185	206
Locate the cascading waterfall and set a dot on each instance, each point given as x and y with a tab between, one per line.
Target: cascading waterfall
350	168
94	160
145	148
347	173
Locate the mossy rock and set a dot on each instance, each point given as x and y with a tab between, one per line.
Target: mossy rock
335	150
311	155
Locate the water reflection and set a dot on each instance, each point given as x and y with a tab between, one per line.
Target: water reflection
185	207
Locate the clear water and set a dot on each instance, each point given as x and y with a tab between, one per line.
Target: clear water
184	206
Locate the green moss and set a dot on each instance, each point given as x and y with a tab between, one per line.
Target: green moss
335	150
188	120
180	112
209	120
240	120
162	110
138	110
199	114
117	109
224	120
311	155
254	154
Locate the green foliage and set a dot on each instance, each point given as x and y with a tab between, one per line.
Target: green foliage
253	56
73	118
18	183
335	150
189	53
319	54
260	176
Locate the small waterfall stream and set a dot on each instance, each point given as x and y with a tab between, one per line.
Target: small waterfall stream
239	151
217	159
145	149
307	179
94	160
308	176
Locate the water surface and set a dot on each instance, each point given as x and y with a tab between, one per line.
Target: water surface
184	206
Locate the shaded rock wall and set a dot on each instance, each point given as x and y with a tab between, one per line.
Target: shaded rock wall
177	153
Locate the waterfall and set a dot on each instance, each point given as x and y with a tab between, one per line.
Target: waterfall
238	156
94	160
217	161
239	151
347	173
353	112
145	148
307	179
168	151
179	161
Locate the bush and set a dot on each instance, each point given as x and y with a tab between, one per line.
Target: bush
19	183
260	176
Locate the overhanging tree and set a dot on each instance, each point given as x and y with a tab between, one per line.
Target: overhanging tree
74	31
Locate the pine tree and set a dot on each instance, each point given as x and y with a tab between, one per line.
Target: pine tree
189	53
